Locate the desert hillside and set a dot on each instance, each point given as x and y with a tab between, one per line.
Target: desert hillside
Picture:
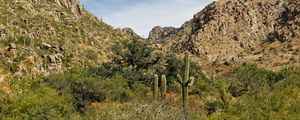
43	36
235	59
234	32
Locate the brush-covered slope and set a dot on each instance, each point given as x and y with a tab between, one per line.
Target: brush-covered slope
232	32
42	36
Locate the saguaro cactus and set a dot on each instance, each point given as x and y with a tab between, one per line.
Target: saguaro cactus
163	86
186	81
155	87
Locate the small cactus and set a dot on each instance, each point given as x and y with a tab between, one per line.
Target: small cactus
163	86
186	81
155	87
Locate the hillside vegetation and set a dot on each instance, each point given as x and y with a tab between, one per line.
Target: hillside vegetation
122	89
42	37
57	61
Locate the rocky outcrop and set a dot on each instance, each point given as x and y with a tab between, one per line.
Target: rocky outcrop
158	33
12	47
73	5
287	25
229	31
129	32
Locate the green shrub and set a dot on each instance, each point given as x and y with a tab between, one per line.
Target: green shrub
86	89
279	101
251	79
132	59
92	55
40	103
21	40
135	53
141	91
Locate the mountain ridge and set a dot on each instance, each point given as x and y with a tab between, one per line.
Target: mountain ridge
240	29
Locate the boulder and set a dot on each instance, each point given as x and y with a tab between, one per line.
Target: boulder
12	47
45	45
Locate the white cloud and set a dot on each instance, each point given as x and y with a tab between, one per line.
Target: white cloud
143	17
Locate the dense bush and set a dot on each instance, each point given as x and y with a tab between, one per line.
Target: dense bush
86	89
135	53
251	80
266	95
40	103
138	60
132	59
279	103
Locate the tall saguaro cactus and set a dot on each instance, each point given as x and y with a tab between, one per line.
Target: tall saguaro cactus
163	86
155	87
187	81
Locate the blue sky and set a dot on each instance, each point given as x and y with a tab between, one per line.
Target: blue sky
143	15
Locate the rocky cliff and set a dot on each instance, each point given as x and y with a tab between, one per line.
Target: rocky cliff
158	33
129	32
232	32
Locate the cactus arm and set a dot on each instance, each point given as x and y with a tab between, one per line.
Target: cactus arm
179	79
191	81
186	67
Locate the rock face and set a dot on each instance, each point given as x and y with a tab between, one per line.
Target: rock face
158	33
129	32
229	31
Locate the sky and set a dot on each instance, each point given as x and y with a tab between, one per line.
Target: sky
143	15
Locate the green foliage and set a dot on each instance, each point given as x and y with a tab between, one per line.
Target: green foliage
136	60
269	95
135	53
40	103
114	98
20	40
13	67
86	89
92	55
251	80
141	91
279	103
133	58
137	110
